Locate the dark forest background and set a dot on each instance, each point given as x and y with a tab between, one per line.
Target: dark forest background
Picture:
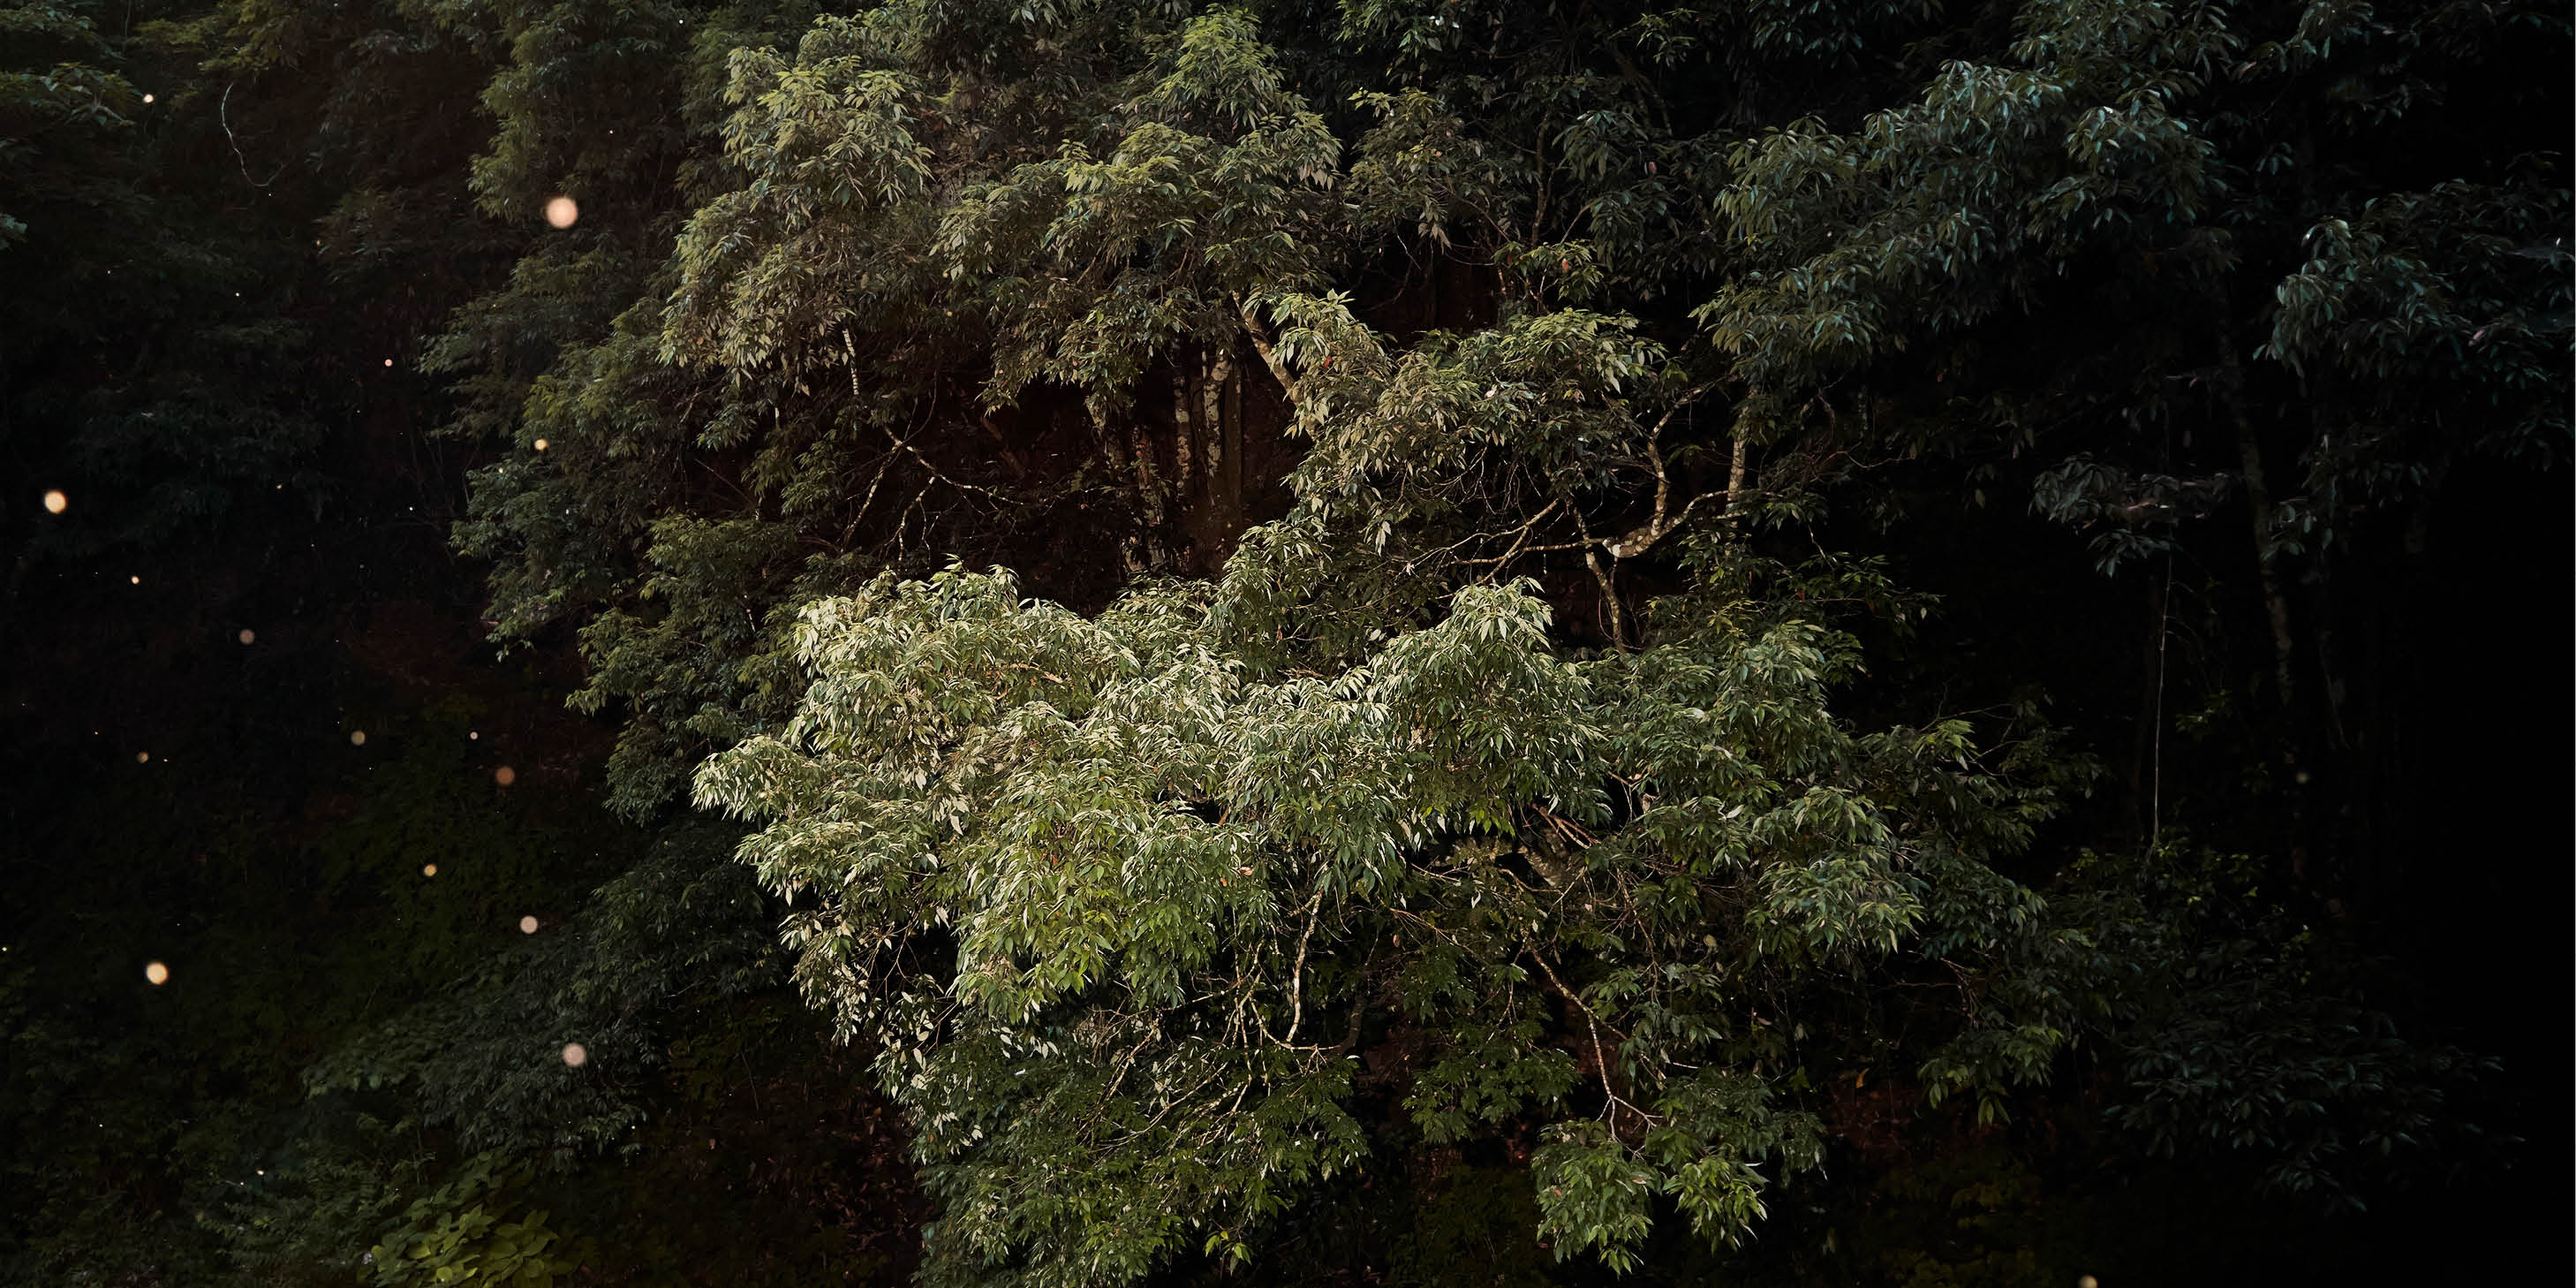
404	531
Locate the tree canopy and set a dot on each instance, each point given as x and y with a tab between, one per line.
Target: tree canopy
1424	641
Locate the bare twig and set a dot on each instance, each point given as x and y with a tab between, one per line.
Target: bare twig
1592	1024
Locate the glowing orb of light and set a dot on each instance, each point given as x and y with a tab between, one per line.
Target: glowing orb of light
2087	1281
142	757
156	972
357	737
562	211
147	100
574	1056
540	444
429	869
246	635
505	775
527	925
55	501
136	579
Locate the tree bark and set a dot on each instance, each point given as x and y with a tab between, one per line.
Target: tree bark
1735	480
2258	496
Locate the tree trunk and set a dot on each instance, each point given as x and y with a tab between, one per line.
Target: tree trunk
1735	482
2276	604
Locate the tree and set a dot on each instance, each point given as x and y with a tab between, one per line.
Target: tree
2065	157
1537	541
1119	905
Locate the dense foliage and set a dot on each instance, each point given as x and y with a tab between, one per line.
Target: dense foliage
1426	641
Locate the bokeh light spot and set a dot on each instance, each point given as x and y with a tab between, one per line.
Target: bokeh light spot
136	579
56	502
247	635
574	1056
527	925
505	775
142	757
357	737
429	869
562	211
147	100
540	444
156	972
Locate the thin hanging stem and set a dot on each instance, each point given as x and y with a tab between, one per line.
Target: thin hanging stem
224	115
2156	746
